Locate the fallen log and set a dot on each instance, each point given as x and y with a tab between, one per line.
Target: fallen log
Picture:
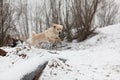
2	52
36	73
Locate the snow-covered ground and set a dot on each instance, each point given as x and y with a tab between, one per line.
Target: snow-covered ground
97	58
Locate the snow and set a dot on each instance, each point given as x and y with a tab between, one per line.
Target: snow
97	58
17	71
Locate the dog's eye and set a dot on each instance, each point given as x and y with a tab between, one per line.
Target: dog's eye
57	29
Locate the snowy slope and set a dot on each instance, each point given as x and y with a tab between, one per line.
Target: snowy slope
97	58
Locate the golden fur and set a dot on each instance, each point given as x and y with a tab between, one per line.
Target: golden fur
50	35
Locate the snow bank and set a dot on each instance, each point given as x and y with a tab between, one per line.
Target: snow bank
18	71
97	58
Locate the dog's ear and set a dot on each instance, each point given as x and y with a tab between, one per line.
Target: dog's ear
53	25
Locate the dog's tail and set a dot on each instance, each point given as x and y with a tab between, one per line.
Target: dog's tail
33	34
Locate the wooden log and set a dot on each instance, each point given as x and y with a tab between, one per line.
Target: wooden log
2	52
34	75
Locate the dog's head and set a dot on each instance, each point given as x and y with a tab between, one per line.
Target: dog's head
57	28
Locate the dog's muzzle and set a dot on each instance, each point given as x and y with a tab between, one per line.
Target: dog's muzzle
60	33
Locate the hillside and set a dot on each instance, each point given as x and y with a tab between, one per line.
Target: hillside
97	58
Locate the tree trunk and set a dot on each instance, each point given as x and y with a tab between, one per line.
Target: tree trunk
1	22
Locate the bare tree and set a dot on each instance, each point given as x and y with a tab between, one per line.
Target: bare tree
1	23
68	20
6	21
22	18
107	13
84	11
53	13
38	17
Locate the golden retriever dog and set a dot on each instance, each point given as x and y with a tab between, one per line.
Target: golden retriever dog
50	35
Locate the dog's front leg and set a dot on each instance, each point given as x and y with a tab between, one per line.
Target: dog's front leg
52	41
58	40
